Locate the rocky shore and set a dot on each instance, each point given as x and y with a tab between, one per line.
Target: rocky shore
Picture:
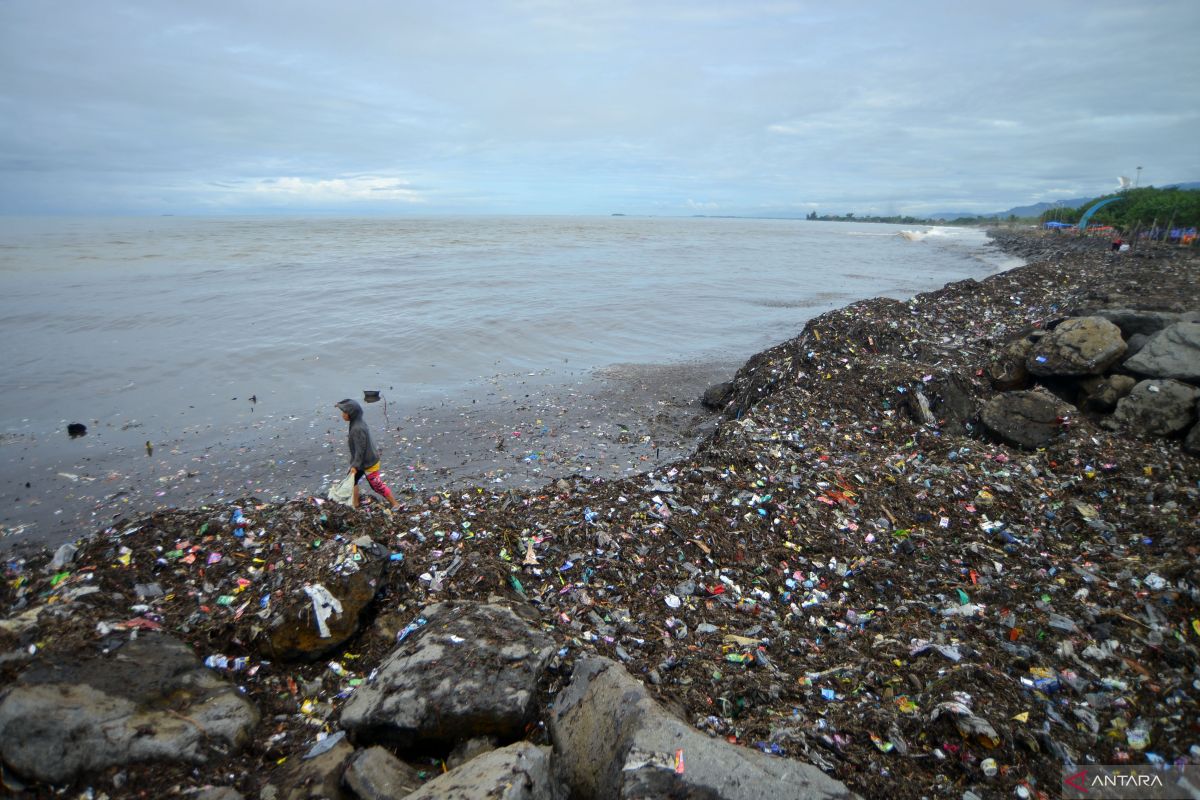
936	548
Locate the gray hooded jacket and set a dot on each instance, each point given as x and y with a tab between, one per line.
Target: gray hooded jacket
362	451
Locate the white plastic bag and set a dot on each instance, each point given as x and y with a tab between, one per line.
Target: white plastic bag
343	490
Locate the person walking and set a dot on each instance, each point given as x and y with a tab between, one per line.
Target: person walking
363	458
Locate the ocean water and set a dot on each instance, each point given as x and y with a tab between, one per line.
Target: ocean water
161	329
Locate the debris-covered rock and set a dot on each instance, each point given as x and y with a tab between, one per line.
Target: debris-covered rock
521	771
1078	346
375	774
613	740
1157	408
467	669
1026	419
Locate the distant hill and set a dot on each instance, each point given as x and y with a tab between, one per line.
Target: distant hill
1036	209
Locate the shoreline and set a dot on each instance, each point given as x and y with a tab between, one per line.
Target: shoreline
611	422
144	459
871	567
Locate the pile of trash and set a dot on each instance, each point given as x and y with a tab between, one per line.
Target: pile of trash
850	571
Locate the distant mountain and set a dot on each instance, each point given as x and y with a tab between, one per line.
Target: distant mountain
1037	208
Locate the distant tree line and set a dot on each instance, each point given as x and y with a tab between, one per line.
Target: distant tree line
895	220
905	220
1145	209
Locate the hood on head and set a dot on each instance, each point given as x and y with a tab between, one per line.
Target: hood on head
351	408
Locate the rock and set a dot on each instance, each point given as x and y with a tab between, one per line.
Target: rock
1078	346
472	748
718	396
613	740
1191	442
1133	322
1172	353
471	670
76	429
1134	344
520	771
376	774
1007	371
1025	419
318	778
217	793
1102	393
148	700
294	632
957	406
1156	408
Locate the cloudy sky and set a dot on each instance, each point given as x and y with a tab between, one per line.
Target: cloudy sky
635	106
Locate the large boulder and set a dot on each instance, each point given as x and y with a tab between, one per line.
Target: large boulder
1025	419
520	771
1078	346
1006	370
471	669
716	397
1133	321
316	618
1156	408
1102	393
1191	442
376	774
1174	352
613	741
147	700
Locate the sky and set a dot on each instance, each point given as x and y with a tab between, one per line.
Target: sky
582	107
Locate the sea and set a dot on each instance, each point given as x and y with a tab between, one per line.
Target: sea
194	348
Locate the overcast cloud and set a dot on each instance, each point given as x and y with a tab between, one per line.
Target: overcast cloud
538	106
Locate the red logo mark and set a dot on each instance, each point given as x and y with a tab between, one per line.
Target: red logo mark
1080	776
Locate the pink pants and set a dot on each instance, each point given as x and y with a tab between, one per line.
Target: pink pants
376	482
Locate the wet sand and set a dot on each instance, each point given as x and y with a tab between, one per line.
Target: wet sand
510	431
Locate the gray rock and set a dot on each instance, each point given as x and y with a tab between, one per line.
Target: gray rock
718	396
1132	322
520	771
1078	346
376	774
1191	442
1007	371
1103	393
1134	344
471	670
1025	419
217	793
958	405
1172	353
472	748
1156	408
613	741
148	700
